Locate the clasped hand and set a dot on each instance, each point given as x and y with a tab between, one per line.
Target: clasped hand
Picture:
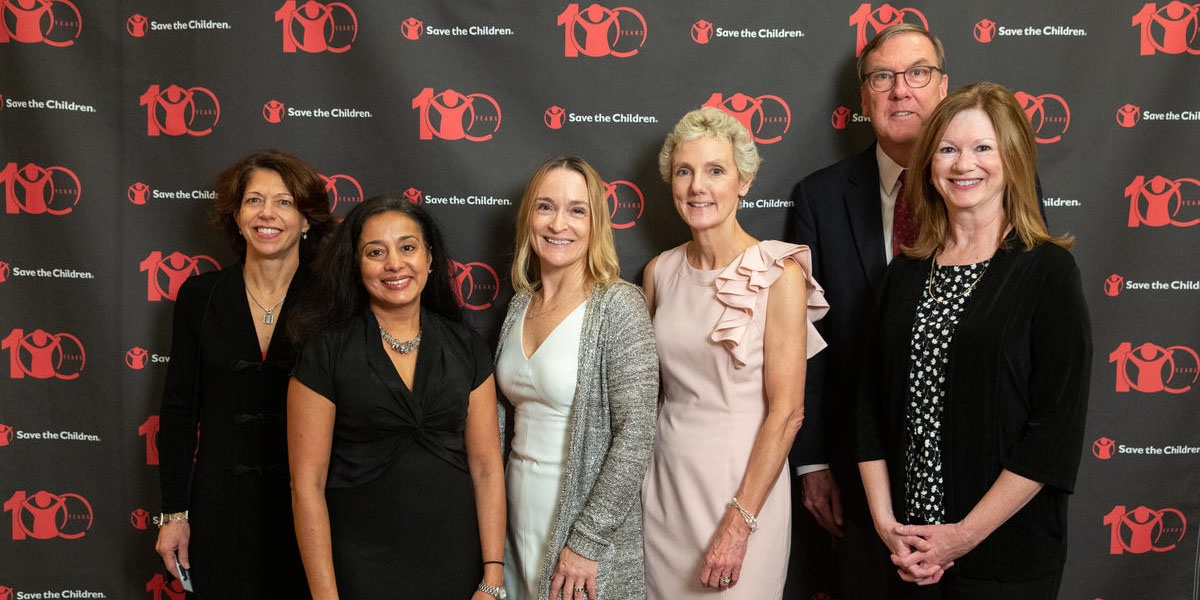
923	553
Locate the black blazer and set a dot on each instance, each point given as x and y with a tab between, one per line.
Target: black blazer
1016	398
837	215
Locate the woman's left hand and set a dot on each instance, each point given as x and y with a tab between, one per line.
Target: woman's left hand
573	575
726	551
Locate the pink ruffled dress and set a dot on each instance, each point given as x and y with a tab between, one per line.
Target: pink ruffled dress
709	328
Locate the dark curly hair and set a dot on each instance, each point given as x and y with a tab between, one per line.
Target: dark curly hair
338	295
305	184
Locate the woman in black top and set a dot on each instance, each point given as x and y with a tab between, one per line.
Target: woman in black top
393	434
971	427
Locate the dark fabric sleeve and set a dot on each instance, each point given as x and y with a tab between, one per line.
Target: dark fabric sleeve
314	368
1049	447
180	410
481	357
809	446
870	413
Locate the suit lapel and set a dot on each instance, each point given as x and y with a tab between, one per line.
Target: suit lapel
864	213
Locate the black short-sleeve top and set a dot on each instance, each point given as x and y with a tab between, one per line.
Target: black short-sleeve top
378	418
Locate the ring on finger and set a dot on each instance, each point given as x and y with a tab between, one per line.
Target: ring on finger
580	589
725	580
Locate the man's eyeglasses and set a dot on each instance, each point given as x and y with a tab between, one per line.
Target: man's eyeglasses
883	80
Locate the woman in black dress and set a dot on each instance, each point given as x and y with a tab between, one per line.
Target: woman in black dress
225	495
394	442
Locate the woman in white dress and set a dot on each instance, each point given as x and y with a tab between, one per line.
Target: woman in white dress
578	371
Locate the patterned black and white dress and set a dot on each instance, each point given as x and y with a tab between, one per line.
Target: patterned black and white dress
948	289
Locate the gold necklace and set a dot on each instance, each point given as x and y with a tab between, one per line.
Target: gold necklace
929	284
529	315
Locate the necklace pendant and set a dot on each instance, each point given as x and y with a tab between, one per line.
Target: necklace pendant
268	318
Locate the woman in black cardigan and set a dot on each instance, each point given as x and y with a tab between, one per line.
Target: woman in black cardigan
971	423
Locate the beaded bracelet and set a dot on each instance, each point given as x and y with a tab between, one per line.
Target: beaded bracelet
750	519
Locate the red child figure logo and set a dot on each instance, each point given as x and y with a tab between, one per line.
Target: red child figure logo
985	31
766	117
1103	448
450	115
1144	529
46	516
315	27
1113	285
411	28
171	270
554	117
177	111
36	190
1151	368
840	117
598	31
1171	29
868	22
51	22
43	355
1158	201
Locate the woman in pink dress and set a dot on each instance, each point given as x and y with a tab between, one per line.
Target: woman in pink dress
733	318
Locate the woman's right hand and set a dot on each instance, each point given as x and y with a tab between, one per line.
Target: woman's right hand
173	541
896	543
901	545
573	576
722	567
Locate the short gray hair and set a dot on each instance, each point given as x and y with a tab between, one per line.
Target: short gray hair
717	124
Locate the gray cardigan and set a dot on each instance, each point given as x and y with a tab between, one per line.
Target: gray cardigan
611	436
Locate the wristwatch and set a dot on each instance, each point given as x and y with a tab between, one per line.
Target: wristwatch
497	592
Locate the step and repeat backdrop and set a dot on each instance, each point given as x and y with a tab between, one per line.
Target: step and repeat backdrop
115	118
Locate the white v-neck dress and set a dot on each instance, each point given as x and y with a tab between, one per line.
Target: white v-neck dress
542	388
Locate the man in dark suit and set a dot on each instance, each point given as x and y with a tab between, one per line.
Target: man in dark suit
846	213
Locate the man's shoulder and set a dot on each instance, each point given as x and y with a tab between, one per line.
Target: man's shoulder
836	174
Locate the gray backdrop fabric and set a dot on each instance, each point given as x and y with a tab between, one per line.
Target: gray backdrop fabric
116	117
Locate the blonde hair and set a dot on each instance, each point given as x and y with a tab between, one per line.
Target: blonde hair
1018	153
603	267
717	124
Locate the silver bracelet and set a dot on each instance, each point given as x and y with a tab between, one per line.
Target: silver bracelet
750	519
164	518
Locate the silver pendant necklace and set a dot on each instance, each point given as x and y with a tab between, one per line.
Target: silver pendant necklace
268	316
403	347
